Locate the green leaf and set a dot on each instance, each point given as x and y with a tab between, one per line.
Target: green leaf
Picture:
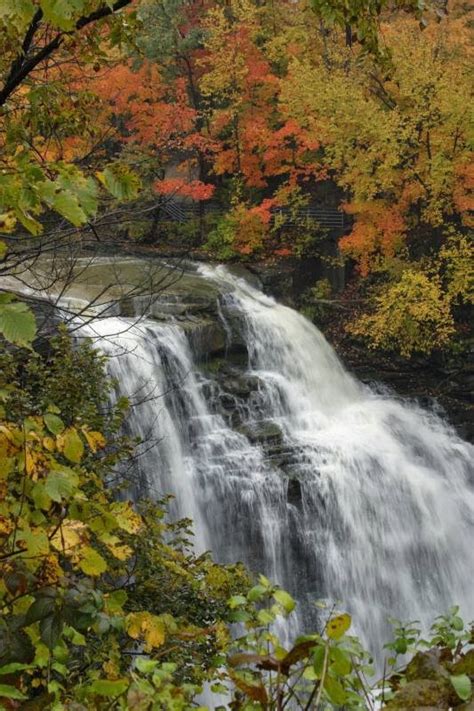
11	692
400	645
76	637
20	10
285	600
17	323
103	687
86	190
462	685
318	660
13	667
91	562
72	195
237	601
120	182
53	423
3	250
37	542
41	608
457	623
341	663
335	691
264	582
62	13
29	222
256	593
116	601
50	630
239	616
265	617
40	496
68	206
73	447
60	485
145	666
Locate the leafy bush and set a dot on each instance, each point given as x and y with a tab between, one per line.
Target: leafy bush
412	315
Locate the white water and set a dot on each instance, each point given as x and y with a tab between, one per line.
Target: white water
383	513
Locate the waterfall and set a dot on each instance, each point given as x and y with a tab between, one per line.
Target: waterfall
349	495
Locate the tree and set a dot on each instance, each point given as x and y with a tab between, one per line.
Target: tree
40	110
39	39
397	141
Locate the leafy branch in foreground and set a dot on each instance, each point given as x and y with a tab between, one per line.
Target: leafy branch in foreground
41	110
75	574
332	669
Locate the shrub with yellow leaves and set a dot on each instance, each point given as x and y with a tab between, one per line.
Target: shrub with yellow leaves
412	315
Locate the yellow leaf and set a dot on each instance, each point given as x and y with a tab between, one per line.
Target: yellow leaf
7	222
111	669
49	444
95	440
30	462
6	526
6	465
337	626
116	547
134	624
155	633
127	519
72	446
69	536
12	434
51	571
36	540
150	627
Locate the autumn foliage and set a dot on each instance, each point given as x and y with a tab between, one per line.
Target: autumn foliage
256	103
255	107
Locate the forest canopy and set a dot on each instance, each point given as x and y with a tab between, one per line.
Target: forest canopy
257	110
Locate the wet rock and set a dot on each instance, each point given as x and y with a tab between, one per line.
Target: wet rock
294	492
206	336
277	279
240	386
47	321
465	665
235	328
242	272
426	665
421	694
264	431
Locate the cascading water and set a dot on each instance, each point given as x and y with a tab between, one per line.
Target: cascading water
368	499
